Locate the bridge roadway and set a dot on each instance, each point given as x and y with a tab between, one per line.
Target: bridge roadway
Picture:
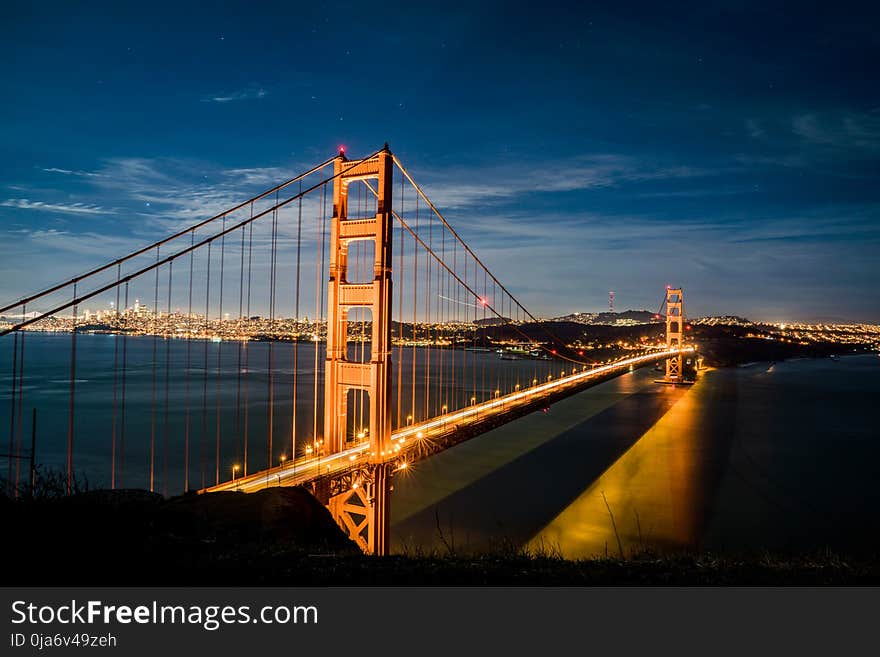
414	441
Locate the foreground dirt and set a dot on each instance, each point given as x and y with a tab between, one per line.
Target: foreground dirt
283	536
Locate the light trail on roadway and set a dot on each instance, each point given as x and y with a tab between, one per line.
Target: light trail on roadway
304	470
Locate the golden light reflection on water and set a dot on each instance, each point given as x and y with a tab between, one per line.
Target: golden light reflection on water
653	492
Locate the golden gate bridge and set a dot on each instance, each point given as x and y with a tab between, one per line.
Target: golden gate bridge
393	366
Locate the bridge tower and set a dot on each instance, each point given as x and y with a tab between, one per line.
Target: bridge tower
362	510
674	333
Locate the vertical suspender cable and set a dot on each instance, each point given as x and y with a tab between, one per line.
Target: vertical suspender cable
428	263
319	307
167	426
20	398
189	328
9	488
441	306
239	341
124	381
321	269
115	377
400	313
455	313
71	407
153	394
476	335
363	276
499	367
219	358
484	303
415	306
271	373
247	351
204	450
354	271
296	323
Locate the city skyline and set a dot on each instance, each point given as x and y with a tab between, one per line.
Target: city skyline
754	167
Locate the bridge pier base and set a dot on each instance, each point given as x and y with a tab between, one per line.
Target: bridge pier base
362	509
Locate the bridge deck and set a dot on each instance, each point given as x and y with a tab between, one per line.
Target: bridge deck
420	440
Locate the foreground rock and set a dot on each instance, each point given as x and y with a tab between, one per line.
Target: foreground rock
112	537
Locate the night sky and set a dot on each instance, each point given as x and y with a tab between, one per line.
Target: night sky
730	149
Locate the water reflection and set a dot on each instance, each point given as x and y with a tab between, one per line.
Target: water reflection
768	457
657	494
513	501
650	481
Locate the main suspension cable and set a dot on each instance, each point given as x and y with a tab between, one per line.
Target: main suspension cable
182	252
170	238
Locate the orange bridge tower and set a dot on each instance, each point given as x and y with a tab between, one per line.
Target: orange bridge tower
363	509
674	333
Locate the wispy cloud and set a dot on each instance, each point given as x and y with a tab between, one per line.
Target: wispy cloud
81	243
785	161
754	129
858	222
843	143
70	172
608	170
249	93
268	176
70	208
171	194
844	130
603	170
156	196
696	193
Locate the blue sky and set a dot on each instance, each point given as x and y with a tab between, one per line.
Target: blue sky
731	148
